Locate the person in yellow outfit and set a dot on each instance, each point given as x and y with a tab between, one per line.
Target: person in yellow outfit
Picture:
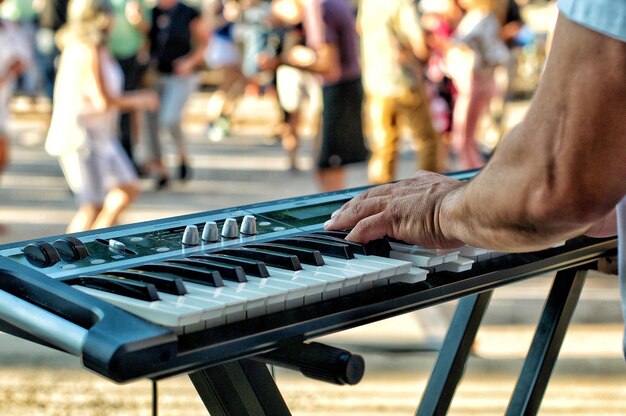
392	51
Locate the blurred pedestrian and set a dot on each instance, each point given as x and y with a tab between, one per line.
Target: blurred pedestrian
472	62
52	17
127	43
222	55
394	52
332	50
299	90
178	39
13	60
83	129
22	13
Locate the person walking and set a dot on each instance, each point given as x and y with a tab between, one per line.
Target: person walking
393	52
478	43
127	43
13	60
52	17
178	39
83	128
332	51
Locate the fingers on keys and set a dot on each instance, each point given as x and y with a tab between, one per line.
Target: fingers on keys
356	210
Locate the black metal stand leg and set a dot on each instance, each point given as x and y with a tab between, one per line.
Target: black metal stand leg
547	342
452	358
155	398
243	387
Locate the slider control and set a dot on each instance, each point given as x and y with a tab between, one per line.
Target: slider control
117	245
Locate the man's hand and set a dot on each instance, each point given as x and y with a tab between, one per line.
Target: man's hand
407	210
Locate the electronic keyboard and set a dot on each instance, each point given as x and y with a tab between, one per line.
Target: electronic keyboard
171	296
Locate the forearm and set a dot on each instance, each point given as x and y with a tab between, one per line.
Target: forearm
563	168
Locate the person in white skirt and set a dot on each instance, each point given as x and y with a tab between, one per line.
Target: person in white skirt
83	129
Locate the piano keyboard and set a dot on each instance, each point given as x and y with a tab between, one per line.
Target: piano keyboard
208	289
163	297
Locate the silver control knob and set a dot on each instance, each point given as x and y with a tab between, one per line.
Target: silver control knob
210	232
248	225
190	236
229	229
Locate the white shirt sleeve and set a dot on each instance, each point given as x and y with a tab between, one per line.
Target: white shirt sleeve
605	16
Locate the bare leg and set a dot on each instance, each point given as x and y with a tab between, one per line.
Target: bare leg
4	153
84	218
330	179
289	138
4	156
115	202
233	85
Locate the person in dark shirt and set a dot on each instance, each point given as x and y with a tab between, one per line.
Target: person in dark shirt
52	17
178	38
332	51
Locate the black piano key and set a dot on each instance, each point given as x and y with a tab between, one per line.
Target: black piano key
250	267
228	271
122	287
379	247
357	248
305	255
189	274
338	234
272	258
172	285
328	248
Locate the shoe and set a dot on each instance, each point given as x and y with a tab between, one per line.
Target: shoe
162	182
184	172
219	129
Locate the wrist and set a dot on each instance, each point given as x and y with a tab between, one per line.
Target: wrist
448	219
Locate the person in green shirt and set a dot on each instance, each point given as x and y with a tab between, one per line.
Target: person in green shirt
127	41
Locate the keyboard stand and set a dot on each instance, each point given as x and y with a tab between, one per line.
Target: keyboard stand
540	360
243	387
246	387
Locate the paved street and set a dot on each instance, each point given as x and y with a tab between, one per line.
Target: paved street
590	378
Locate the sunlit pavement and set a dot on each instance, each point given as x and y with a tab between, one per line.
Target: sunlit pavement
590	377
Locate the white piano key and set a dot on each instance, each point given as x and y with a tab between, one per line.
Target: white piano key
233	307
418	258
461	264
369	274
295	293
161	312
213	313
473	252
358	277
274	297
255	303
313	288
397	266
414	275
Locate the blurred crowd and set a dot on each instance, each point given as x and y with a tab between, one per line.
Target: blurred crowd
368	71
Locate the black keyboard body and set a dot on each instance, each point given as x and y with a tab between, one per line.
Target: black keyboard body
123	347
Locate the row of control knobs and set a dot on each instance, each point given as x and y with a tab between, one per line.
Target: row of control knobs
44	254
211	234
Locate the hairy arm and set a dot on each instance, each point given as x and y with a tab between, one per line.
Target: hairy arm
553	177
